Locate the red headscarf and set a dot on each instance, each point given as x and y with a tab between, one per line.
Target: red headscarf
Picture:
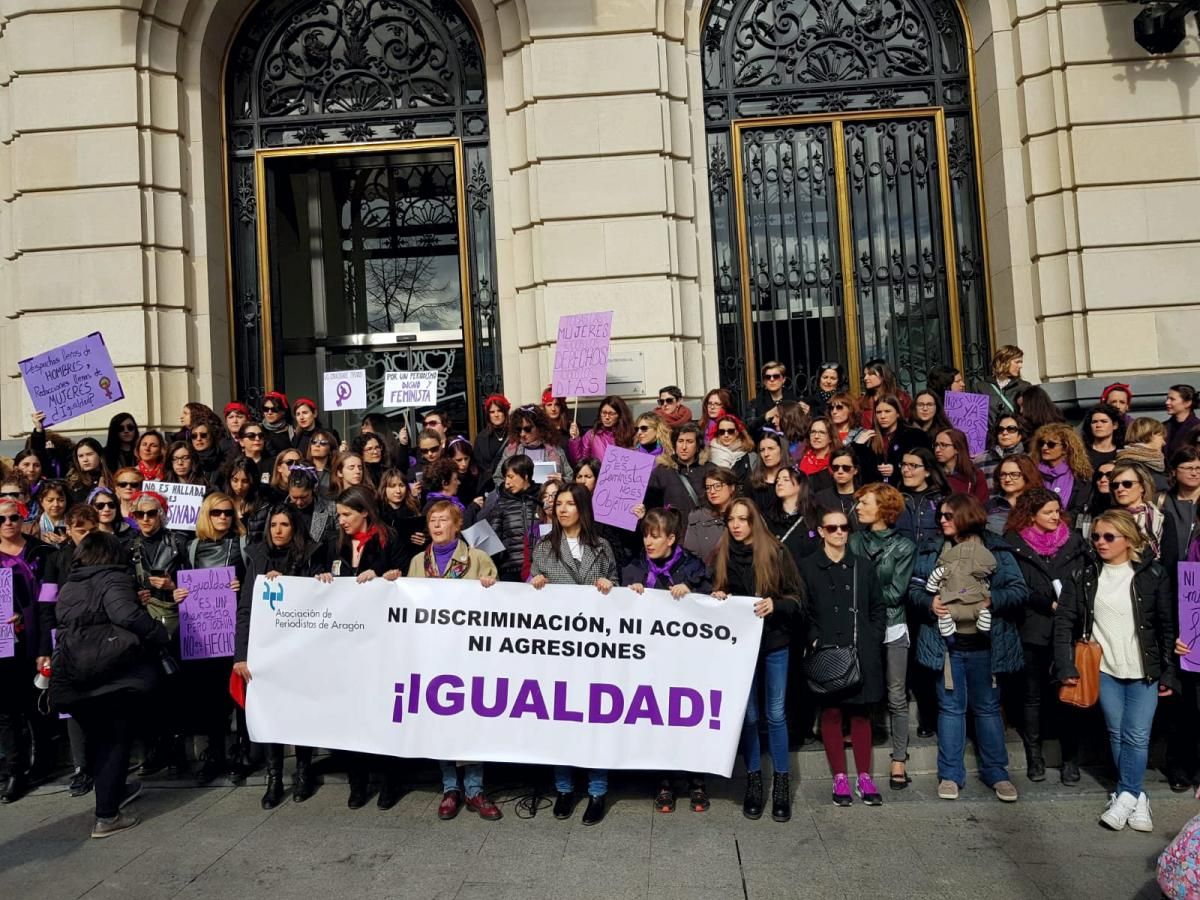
1117	386
237	407
730	417
22	509
303	401
155	495
275	395
499	399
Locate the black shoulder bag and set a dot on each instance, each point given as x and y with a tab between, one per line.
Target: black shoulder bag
833	670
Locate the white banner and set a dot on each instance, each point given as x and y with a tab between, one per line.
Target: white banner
183	502
408	389
446	669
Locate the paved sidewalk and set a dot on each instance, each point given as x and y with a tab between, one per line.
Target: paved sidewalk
217	842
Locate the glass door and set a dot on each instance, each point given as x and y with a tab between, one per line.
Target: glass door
365	268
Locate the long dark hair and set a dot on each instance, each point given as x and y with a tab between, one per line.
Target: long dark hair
622	430
76	478
939	422
360	499
889	386
113	455
300	547
937	478
588	535
768	562
528	415
247	467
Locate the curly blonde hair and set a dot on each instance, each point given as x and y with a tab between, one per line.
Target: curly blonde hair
1076	455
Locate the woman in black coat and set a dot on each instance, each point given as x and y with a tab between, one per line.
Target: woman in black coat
99	603
1050	555
846	609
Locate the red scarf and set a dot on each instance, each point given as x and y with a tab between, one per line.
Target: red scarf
675	416
811	464
360	539
149	472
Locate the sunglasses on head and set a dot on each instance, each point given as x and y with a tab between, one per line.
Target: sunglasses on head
1107	536
836	529
11	519
1125	483
129	484
104	504
145	513
221	513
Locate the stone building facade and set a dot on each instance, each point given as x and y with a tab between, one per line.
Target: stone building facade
120	208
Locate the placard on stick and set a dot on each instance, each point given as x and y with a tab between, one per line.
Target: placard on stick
183	502
207	615
71	379
969	414
403	390
8	637
581	355
345	390
1189	615
621	486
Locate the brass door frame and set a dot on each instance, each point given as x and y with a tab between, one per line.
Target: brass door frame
836	124
264	267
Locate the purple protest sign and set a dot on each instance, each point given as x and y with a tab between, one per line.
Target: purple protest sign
206	616
8	638
1189	615
581	355
621	486
969	414
71	380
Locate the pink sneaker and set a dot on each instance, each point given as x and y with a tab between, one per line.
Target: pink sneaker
867	792
841	790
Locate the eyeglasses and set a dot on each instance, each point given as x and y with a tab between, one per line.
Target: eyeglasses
200	435
320	442
221	513
252	435
1051	445
1107	536
11	520
641	428
1188	470
1008	429
129	485
528	429
910	467
927	405
942	445
104	504
182	457
945	516
725	431
773	376
1124	484
1009	476
666	401
713	488
432	423
145	513
836	529
842	467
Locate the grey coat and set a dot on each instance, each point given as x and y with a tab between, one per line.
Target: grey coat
597	562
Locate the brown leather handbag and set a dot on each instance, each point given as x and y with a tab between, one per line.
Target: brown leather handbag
1087	664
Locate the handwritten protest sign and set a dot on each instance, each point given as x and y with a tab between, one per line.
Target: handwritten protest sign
407	389
346	390
8	638
183	501
206	616
1189	614
581	355
621	486
72	379
969	414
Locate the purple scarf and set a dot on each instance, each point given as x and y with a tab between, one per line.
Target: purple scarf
443	553
438	495
1046	543
655	571
656	450
1060	479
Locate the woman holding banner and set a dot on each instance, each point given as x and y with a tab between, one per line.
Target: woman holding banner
448	556
613	428
573	553
285	550
220	539
750	563
366	549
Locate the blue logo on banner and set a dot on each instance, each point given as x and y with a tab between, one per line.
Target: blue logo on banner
272	593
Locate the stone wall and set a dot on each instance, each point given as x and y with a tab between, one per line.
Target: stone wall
112	200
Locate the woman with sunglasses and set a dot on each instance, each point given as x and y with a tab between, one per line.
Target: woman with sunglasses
893	439
846	609
846	418
108	513
843	470
1049	554
651	435
891	555
671	408
733	448
275	491
614	427
706	523
951	451
157	554
219	543
253	443
1146	445
1133	491
1102	433
574	553
128	482
1063	464
967	664
1007	438
717	403
880	381
321	447
14	487
88	470
749	562
276	423
366	549
119	444
205	439
775	389
285	550
1126	602
151	455
927	414
181	465
529	435
774	458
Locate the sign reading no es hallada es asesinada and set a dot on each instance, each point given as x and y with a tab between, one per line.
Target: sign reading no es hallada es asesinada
72	379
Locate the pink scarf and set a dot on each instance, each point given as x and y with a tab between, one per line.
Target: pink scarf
1046	543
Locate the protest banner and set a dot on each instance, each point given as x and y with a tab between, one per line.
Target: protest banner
448	669
969	414
345	390
8	636
621	487
402	390
71	379
208	613
1189	615
183	502
581	355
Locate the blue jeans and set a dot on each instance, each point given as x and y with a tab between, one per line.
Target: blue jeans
472	778
974	688
775	667
1128	705
564	781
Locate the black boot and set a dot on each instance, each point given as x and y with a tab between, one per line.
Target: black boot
781	797
303	785
1035	762
390	793
752	805
359	788
274	795
17	787
213	765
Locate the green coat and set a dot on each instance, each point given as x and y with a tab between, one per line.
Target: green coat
892	556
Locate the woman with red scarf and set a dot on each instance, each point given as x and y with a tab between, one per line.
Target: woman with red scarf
366	549
151	452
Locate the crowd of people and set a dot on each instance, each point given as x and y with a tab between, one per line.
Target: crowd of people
889	563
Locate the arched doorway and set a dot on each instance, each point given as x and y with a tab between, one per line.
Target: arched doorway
360	206
844	187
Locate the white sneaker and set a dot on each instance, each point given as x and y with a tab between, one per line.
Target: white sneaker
1118	811
1139	819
